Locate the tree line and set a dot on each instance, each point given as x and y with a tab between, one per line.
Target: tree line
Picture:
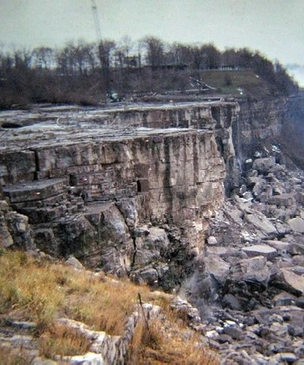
87	72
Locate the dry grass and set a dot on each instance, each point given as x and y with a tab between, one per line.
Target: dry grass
9	357
164	342
42	291
27	291
63	341
31	291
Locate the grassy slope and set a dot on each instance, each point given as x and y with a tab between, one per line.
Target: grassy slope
242	83
230	82
38	290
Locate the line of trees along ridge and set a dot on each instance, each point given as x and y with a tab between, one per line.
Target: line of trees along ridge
85	72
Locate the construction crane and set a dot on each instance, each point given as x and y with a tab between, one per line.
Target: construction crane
96	20
113	96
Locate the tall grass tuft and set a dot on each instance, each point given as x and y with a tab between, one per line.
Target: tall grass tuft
168	343
62	341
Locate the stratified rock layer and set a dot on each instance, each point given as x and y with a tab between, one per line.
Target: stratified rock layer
88	186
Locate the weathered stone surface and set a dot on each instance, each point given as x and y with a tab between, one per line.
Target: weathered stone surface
297	224
88	359
34	190
72	261
151	247
163	176
217	267
284	299
6	239
279	245
231	301
260	250
15	230
184	307
263	165
211	240
288	357
252	269
298	260
129	211
293	282
261	223
284	200
17	165
234	332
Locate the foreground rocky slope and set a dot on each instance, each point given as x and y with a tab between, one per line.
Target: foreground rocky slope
250	285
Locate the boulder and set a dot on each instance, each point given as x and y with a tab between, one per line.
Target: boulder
72	261
234	332
233	212
280	246
217	250
259	187
184	307
253	269
297	248
263	165
17	227
286	357
261	223
292	282
260	250
300	302
297	224
285	200
231	301
284	299
148	275
298	260
211	240
217	267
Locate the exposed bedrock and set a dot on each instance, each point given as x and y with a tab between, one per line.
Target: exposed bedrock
120	193
130	190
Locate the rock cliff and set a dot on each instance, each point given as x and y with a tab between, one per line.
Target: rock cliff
130	189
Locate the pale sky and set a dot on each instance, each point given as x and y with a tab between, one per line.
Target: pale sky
274	27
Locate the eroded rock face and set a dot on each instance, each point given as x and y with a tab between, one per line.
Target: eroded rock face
15	231
89	189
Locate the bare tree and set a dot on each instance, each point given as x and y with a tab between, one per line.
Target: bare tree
44	57
105	54
155	51
22	58
211	56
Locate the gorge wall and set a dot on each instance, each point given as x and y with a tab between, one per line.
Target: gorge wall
130	190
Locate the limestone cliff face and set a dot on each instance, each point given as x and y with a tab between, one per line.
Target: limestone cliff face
259	121
99	190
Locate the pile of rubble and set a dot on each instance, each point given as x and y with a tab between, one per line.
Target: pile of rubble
249	286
